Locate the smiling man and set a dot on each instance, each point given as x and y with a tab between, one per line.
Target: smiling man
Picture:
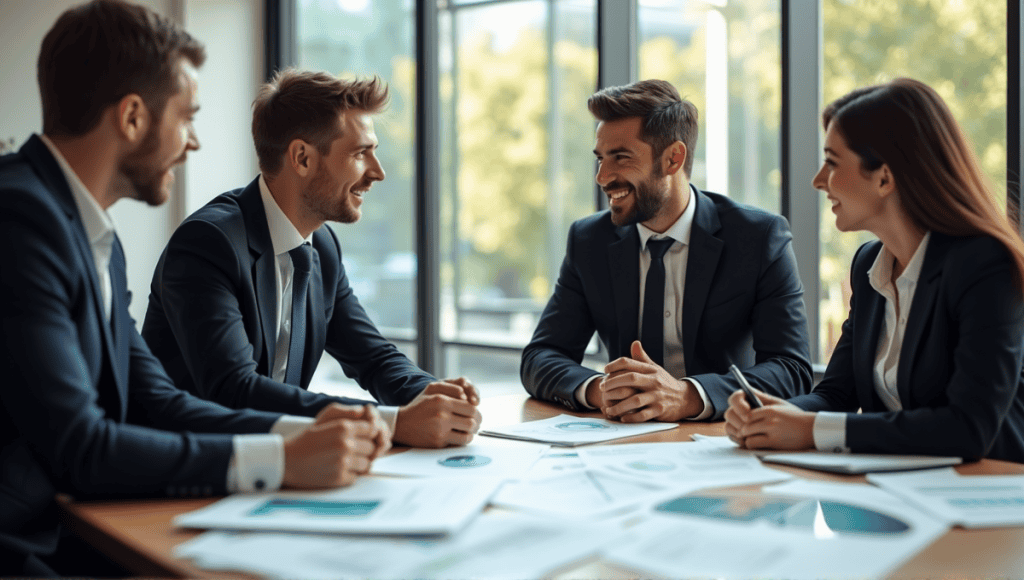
87	409
678	283
251	289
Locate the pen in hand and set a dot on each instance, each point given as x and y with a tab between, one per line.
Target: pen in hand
752	399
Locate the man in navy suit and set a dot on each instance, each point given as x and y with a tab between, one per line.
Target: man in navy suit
87	408
678	283
251	289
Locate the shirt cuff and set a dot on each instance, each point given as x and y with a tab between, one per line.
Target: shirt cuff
709	409
390	416
830	432
257	463
290	424
581	392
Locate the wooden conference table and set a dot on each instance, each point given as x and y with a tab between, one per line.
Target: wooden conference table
138	534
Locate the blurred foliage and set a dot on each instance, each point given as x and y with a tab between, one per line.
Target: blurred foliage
959	48
517	166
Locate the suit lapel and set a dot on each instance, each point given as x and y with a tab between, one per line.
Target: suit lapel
40	157
624	267
704	253
264	267
920	313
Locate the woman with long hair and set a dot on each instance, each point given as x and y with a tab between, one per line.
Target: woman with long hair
932	351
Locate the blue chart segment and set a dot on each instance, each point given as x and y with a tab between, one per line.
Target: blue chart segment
315	508
464	461
581	426
787	512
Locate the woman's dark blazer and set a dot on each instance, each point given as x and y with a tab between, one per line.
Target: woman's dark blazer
959	376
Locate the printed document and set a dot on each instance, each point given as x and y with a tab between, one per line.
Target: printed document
794	530
371	505
970	501
474	460
498	546
578	494
697	464
569	431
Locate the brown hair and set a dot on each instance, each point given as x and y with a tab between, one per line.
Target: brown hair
98	53
665	116
906	125
306	105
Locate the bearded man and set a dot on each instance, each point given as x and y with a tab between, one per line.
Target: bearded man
678	283
251	289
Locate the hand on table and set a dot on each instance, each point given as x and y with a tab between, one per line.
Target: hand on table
444	414
338	447
777	425
636	389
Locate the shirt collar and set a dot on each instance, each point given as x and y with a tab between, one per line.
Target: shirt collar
880	273
99	227
283	234
678	231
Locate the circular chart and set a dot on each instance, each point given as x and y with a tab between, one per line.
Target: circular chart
464	461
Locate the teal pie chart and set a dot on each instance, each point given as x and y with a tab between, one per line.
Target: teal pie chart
464	461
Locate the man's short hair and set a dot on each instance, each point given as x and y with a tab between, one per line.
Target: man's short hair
306	105
665	116
98	53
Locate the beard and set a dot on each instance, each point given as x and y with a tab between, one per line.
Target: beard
144	173
321	201
649	197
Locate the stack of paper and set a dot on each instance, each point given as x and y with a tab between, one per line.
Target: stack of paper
372	505
975	501
474	460
569	431
795	530
492	546
696	465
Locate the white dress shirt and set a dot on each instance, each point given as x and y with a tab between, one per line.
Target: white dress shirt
257	461
675	282
830	427
285	237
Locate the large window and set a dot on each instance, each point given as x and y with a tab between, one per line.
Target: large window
959	48
724	58
517	166
514	136
363	38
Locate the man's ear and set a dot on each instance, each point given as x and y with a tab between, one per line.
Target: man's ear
674	158
133	118
301	157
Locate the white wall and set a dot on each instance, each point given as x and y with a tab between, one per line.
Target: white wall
233	33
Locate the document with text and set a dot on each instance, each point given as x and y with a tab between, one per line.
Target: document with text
493	546
474	460
793	530
569	431
970	501
372	505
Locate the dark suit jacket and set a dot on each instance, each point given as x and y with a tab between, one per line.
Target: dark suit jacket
959	377
212	315
742	304
86	408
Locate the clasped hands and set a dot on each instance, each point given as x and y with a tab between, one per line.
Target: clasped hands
636	389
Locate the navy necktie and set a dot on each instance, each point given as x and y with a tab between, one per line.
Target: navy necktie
653	330
300	283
